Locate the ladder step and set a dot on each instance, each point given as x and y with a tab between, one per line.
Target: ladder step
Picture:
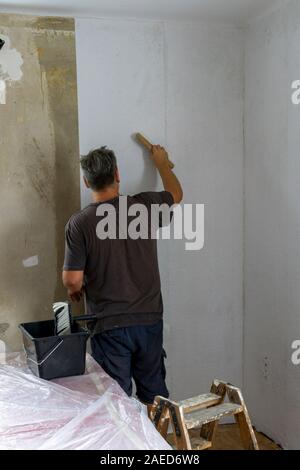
201	401
198	443
197	418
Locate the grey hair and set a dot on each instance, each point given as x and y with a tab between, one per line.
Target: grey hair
99	168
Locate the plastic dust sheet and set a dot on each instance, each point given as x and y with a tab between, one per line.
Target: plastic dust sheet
87	412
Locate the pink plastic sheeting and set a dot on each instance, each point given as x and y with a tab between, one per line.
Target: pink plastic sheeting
88	412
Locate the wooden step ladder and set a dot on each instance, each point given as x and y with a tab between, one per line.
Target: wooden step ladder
203	413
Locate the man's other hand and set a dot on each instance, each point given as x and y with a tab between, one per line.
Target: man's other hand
75	296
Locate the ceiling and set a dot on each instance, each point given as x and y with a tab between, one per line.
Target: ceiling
220	10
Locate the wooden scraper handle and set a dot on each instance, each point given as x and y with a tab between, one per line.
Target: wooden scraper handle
145	142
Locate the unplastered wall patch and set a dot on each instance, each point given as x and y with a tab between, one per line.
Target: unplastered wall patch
10	67
10	62
30	262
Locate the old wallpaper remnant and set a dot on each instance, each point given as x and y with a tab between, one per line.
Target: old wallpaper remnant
39	171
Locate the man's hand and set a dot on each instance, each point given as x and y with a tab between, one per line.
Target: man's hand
171	184
75	296
159	156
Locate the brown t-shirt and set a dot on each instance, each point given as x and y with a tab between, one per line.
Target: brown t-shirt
121	276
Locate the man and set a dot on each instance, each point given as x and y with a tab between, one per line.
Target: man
120	277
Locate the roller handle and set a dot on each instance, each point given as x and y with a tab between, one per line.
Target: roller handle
84	317
145	142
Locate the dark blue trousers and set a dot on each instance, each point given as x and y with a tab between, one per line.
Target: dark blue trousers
134	352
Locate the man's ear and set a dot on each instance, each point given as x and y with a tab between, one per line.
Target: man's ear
117	176
86	182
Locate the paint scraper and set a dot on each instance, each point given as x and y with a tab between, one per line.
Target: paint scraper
141	139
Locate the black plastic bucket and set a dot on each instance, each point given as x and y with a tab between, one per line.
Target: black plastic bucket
50	356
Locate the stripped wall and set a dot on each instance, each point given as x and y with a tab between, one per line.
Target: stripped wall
39	176
182	85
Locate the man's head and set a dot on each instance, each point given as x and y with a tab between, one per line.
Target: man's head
100	169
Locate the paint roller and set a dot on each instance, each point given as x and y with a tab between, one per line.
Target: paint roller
141	139
64	320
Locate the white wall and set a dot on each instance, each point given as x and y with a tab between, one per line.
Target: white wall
272	267
182	85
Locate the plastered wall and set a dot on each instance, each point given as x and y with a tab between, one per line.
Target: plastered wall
272	224
182	85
